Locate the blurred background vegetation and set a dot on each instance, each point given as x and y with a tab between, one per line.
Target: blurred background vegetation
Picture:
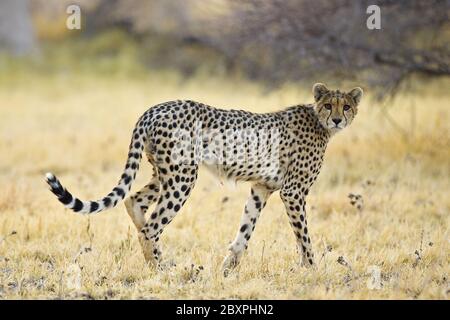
70	98
273	42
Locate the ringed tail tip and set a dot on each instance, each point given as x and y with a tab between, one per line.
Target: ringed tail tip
51	180
49	176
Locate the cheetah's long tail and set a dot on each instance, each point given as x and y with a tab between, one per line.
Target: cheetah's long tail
120	190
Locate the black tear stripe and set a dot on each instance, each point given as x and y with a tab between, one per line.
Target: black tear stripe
320	110
328	118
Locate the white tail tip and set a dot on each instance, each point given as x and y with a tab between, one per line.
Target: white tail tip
49	176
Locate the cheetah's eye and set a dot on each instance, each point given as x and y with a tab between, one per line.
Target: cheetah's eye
346	107
327	106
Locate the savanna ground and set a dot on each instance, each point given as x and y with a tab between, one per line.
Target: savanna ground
77	123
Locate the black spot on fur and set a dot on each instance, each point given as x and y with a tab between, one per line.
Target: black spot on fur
94	206
106	201
119	192
78	206
66	198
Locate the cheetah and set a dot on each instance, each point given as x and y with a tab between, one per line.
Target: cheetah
278	151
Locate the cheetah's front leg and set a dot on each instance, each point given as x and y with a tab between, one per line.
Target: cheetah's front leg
255	203
294	202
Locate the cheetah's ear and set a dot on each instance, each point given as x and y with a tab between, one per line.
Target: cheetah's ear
319	89
356	94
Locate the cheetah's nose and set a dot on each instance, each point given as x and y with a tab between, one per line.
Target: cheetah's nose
337	121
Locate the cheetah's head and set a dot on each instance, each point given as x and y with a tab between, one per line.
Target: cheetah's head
336	109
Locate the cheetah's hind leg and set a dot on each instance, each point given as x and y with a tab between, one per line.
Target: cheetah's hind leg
175	188
138	204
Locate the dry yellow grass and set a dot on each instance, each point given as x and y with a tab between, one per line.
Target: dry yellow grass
79	127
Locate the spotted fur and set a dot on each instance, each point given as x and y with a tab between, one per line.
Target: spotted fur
280	151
